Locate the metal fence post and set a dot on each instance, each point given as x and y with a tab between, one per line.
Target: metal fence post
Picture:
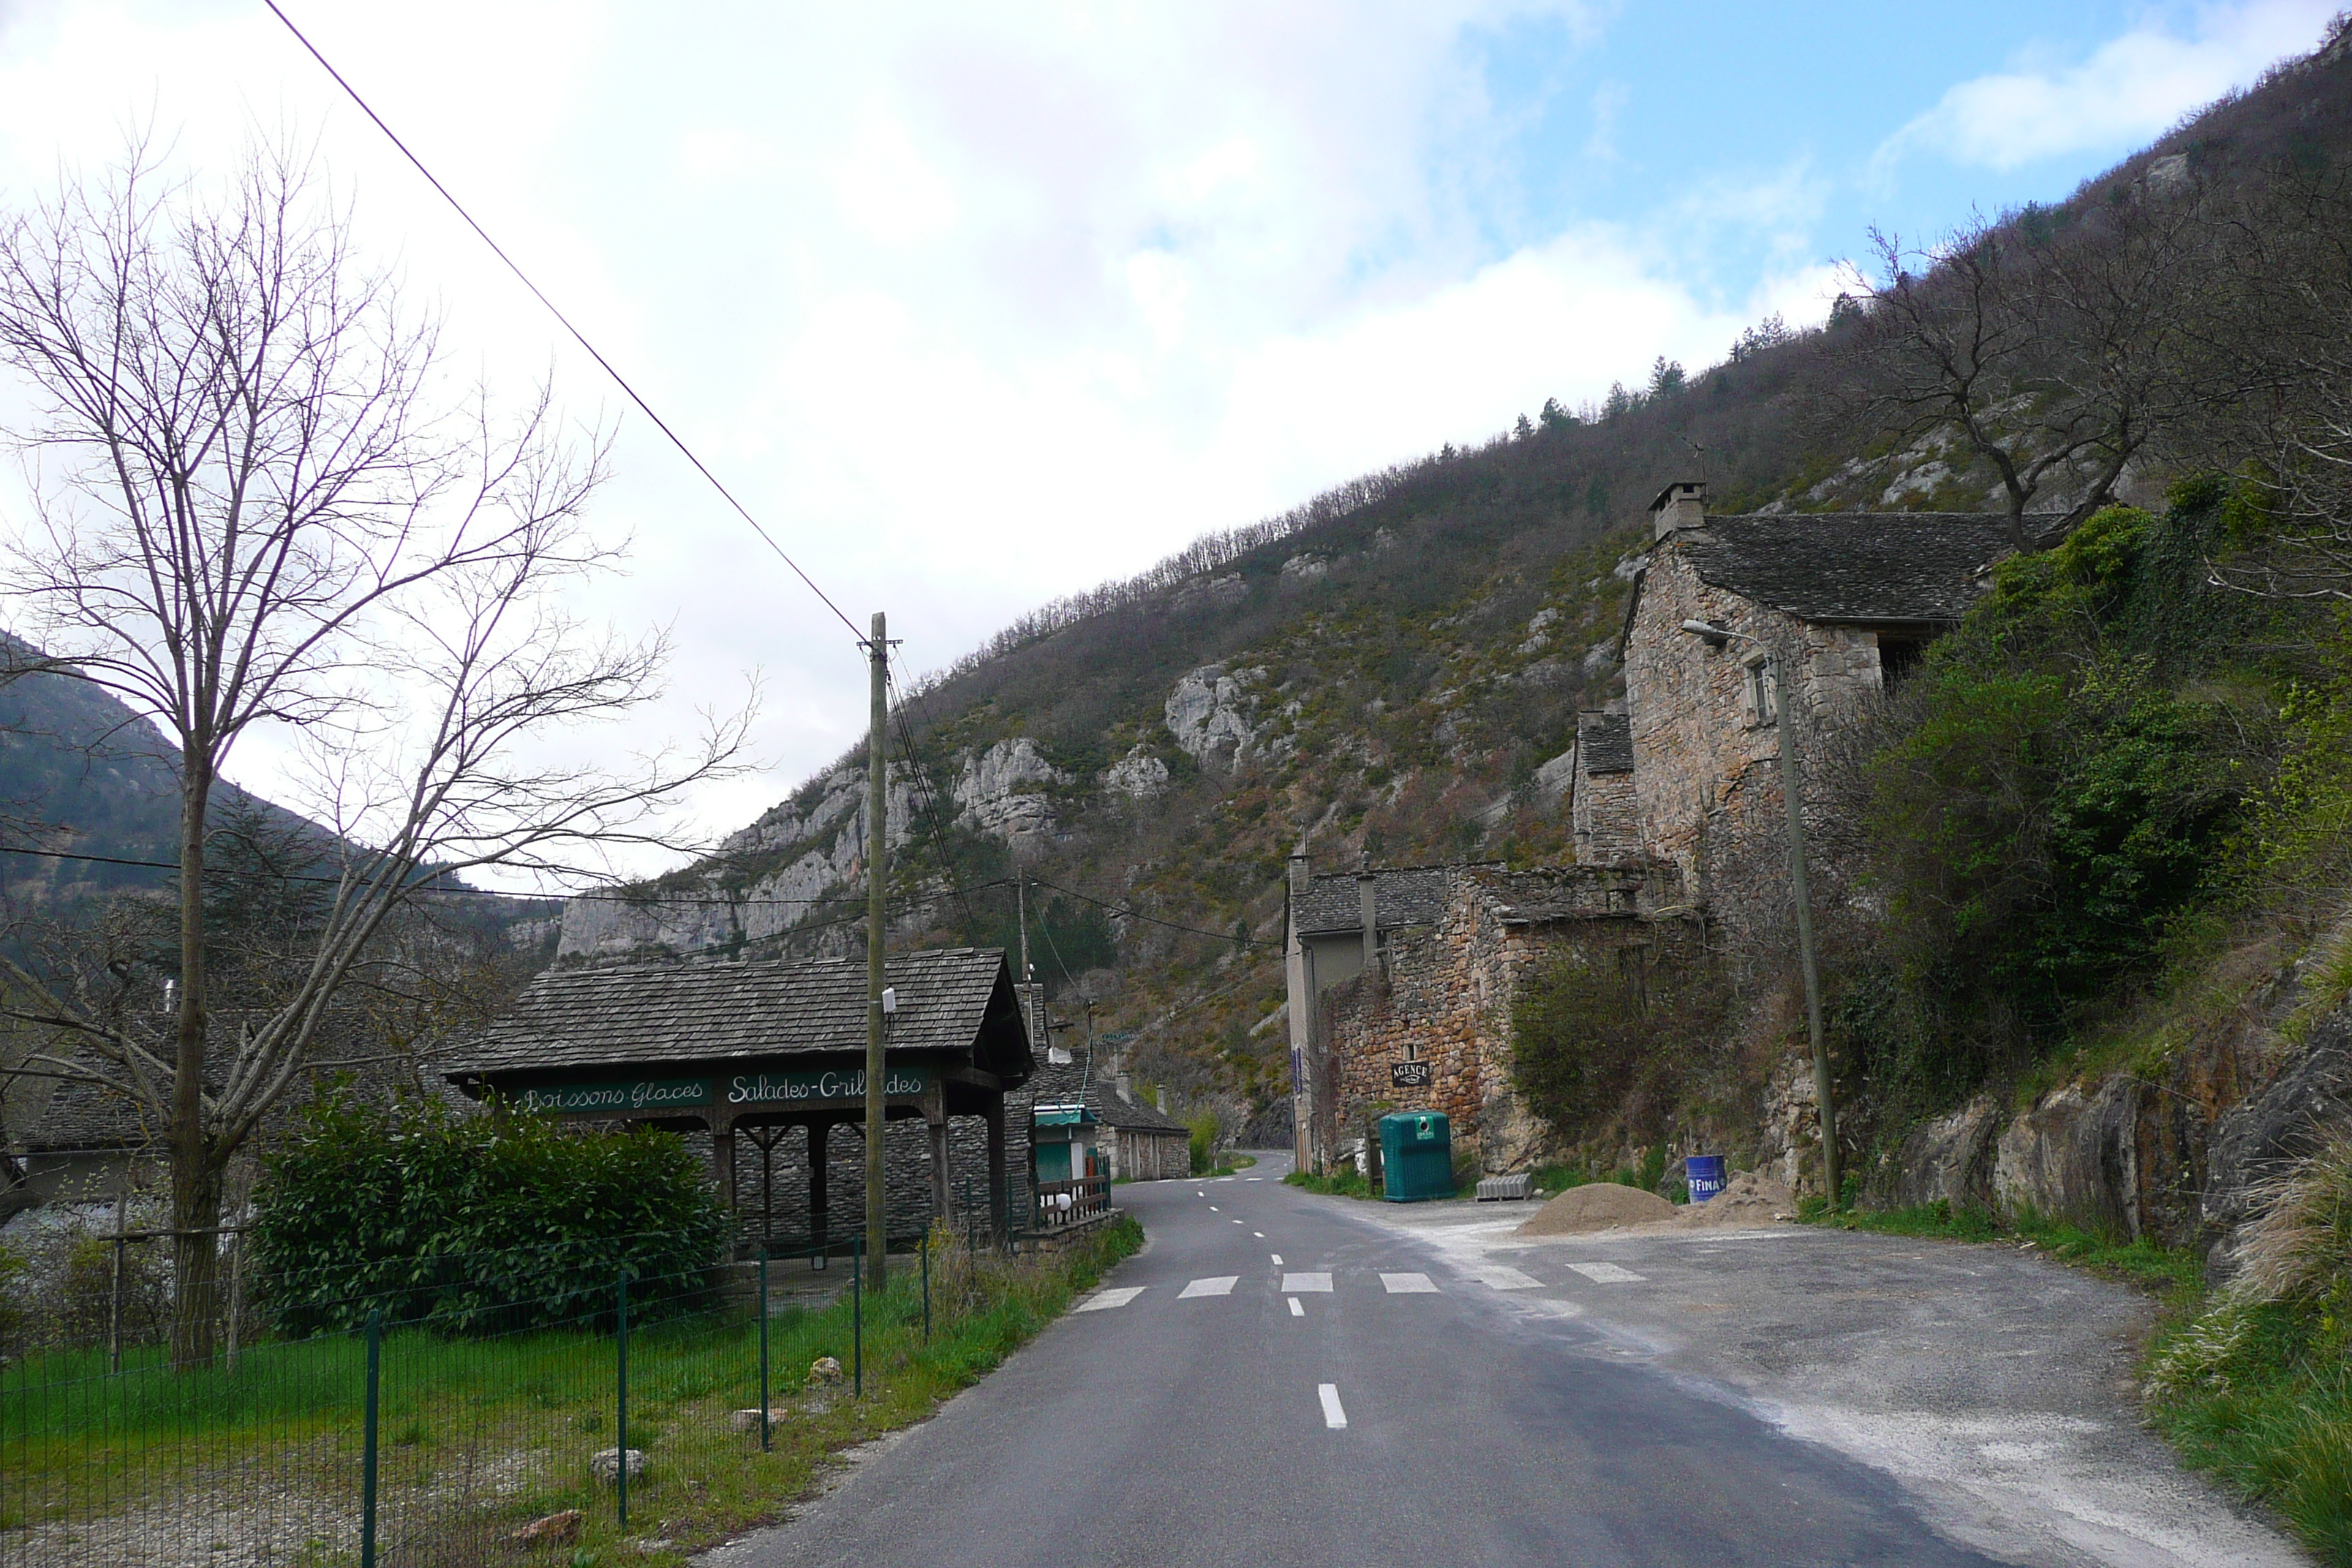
763	1350
927	1286
367	1441
858	1318
621	1401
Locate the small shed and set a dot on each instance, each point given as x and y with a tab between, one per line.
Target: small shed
772	1054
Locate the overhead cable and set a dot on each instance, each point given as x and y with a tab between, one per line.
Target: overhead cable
577	335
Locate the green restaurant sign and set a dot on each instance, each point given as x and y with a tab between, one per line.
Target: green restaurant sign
792	1088
635	1099
657	1095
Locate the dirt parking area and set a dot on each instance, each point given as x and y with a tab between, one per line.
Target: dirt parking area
1994	1386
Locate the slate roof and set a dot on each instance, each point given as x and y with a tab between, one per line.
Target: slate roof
1924	568
1058	1084
1403	896
1604	743
949	999
87	1116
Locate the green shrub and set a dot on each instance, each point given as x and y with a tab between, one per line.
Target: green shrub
476	1223
1588	1041
1204	1127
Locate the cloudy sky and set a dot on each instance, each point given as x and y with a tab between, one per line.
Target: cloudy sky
976	305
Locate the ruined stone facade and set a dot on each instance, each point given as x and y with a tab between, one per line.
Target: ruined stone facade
1427	1026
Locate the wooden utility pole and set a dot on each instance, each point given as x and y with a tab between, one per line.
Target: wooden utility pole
877	816
1801	893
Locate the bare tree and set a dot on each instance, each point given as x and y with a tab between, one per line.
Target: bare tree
256	509
2047	341
2278	324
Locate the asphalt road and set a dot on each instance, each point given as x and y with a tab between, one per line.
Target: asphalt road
1274	1416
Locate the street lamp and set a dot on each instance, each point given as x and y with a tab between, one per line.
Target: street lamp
1801	887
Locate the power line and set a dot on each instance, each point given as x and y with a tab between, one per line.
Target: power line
578	336
1126	913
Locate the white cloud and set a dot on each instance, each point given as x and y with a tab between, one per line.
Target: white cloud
972	309
2131	88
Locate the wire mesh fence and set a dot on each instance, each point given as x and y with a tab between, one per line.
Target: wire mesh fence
441	1420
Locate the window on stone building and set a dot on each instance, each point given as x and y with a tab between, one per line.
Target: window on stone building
1897	659
1761	699
1412	1050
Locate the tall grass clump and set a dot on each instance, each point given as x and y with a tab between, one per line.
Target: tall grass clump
2257	1388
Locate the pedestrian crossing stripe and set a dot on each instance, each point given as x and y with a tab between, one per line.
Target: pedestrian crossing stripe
1104	1300
1607	1273
1408	1285
1503	1279
1218	1285
1298	1282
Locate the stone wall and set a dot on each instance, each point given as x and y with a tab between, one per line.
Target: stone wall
1443	996
1705	759
1604	814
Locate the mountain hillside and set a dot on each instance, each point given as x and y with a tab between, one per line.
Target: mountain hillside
1392	671
82	772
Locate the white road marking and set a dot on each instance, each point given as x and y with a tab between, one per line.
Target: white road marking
1606	1273
1259	1234
1333	1416
1222	1285
1408	1285
1277	1258
1296	1310
1503	1279
1212	1208
1307	1282
1104	1300
1252	1178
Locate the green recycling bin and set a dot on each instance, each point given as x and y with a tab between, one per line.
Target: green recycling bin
1417	1156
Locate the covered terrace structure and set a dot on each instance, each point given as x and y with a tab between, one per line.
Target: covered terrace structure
772	1054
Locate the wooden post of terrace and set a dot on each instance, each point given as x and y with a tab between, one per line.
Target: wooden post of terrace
763	1048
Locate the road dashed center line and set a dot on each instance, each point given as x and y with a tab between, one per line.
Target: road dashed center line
1334	1416
1296	1310
1503	1279
1607	1273
1104	1300
1321	1282
1277	1258
1219	1285
1408	1285
1259	1234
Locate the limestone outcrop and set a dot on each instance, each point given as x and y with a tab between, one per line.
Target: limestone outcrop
1212	711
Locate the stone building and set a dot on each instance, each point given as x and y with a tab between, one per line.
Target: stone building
1845	601
1408	1006
1602	811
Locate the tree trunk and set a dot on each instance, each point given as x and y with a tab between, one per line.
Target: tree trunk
195	1261
195	1165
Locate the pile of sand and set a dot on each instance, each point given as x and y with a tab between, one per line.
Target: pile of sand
1750	1197
1598	1205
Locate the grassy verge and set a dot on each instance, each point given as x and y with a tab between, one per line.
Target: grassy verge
1345	1182
479	1437
2260	1395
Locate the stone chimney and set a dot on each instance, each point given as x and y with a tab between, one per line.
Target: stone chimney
1302	878
1682	504
1368	909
